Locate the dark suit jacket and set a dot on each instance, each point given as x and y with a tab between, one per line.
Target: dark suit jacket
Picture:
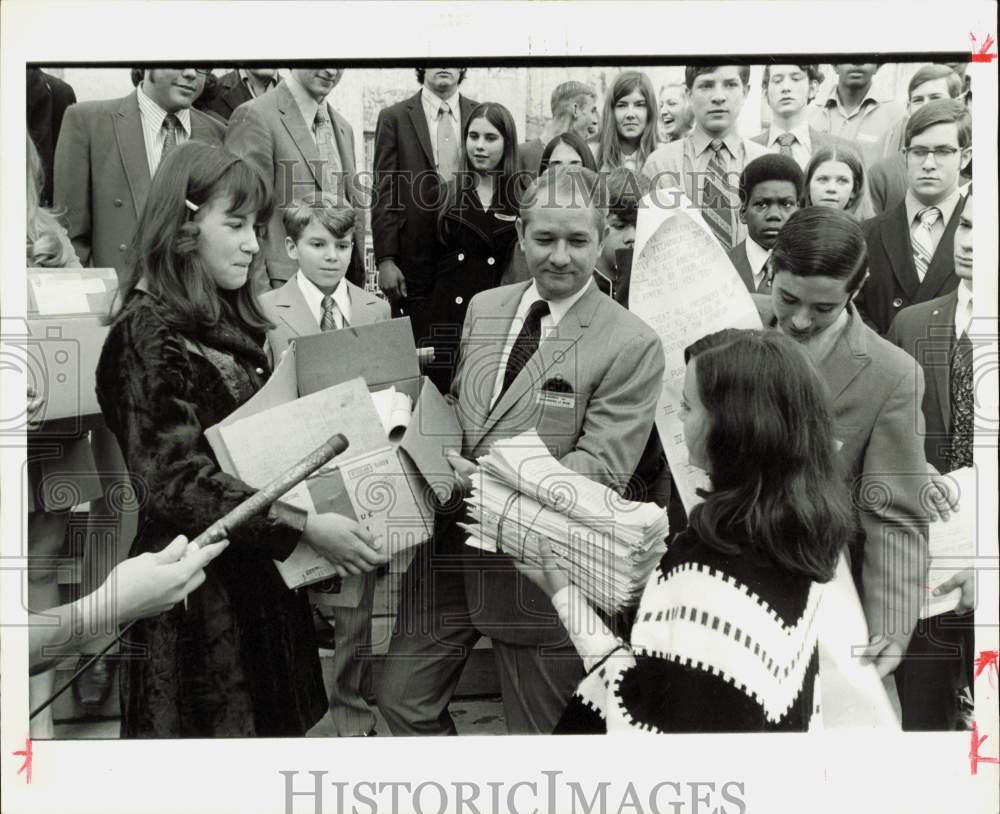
613	363
270	132
893	282
229	93
102	175
927	332
407	193
887	182
47	98
876	390
738	257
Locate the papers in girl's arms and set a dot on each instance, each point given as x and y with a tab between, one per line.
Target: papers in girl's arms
951	544
523	496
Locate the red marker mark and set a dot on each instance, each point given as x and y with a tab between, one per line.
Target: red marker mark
986	662
981	50
974	757
26	754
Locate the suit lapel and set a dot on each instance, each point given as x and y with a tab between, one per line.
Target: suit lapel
895	234
294	311
941	270
567	335
291	118
419	122
848	357
942	324
466	106
132	147
364	306
345	145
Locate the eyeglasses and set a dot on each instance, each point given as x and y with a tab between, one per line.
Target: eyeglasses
940	153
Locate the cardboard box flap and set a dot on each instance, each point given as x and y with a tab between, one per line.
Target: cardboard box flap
383	354
433	430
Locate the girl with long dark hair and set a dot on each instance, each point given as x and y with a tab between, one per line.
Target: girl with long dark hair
725	638
183	351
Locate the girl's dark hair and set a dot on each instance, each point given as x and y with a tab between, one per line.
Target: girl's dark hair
846	155
571	140
164	250
508	182
819	241
609	150
776	478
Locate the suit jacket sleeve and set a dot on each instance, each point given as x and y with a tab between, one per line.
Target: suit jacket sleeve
620	415
71	183
386	217
893	520
249	137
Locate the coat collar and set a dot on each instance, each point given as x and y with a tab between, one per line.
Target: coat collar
132	149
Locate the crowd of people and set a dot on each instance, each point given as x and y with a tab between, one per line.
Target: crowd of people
230	208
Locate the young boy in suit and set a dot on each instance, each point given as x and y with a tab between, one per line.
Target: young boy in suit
770	191
320	238
911	246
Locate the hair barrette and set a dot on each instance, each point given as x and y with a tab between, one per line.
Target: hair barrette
191	206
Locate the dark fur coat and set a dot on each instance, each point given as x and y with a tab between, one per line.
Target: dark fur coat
241	660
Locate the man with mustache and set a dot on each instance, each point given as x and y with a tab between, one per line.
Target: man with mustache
707	162
911	246
302	146
108	151
853	111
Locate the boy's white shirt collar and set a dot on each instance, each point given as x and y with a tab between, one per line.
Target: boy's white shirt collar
314	297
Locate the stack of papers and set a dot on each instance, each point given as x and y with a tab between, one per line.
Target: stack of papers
523	496
952	545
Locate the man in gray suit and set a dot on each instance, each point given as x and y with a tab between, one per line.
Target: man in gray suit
789	89
301	145
557	356
108	151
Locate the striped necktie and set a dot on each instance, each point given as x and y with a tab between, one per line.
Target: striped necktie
716	206
785	142
923	239
525	345
332	319
959	453
328	153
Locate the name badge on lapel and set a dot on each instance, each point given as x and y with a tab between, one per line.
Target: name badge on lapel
502	216
556	392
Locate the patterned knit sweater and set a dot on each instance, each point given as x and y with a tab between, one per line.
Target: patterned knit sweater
720	644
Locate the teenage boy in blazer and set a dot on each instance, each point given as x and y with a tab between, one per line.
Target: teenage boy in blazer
911	246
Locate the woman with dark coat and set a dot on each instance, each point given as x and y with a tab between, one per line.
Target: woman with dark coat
183	351
476	232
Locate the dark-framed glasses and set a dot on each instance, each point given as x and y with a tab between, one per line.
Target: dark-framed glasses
940	153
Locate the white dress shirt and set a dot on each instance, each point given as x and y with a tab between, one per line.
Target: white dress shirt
152	116
757	258
557	310
431	105
314	299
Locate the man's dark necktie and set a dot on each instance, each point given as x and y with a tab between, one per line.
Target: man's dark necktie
525	345
962	424
171	124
